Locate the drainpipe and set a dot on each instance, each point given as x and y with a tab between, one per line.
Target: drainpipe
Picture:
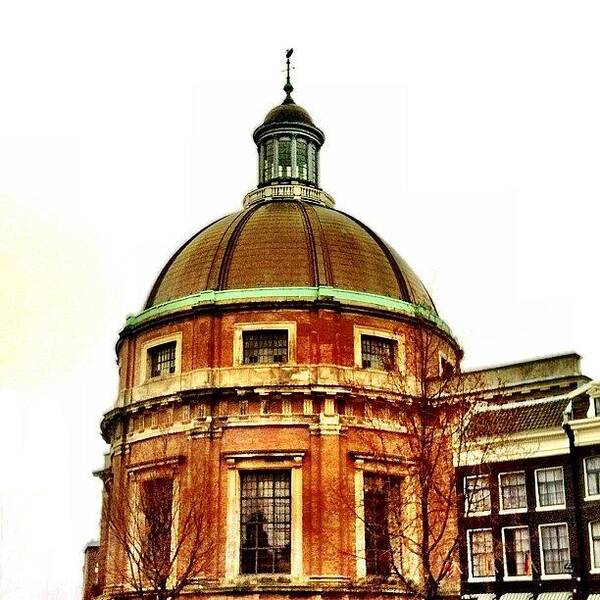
578	567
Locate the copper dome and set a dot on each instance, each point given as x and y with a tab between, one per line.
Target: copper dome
288	113
287	243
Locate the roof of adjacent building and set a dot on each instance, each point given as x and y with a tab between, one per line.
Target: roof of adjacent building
288	243
547	413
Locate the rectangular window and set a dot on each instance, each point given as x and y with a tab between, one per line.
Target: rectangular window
378	352
265	522
477	494
513	493
550	487
381	495
556	557
162	359
517	552
595	545
597	407
265	346
592	475
156	511
312	164
481	552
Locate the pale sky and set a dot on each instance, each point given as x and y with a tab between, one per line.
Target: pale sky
467	134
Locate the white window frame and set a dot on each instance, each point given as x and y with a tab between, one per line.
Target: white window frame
478	513
542	566
400	362
470	576
144	358
262	461
538	506
507	511
508	577
238	342
594	565
588	496
137	475
371	465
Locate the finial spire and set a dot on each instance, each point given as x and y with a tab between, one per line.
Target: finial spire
288	88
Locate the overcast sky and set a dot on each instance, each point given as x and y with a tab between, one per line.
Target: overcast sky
467	134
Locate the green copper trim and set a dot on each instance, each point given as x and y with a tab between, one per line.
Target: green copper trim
289	293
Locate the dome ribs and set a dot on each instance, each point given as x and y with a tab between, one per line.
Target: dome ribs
324	270
156	288
406	292
237	225
310	243
286	242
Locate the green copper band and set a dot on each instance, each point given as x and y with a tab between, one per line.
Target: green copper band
289	293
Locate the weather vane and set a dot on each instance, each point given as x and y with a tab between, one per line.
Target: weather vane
288	88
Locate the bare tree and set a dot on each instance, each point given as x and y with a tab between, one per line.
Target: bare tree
159	534
409	509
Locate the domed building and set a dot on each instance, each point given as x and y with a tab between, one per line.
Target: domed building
256	444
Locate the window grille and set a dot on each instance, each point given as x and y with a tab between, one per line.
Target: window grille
265	522
265	346
377	352
302	158
595	544
550	484
517	551
477	494
162	359
513	493
556	557
482	553
592	472
380	496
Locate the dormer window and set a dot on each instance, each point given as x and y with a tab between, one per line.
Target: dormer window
162	359
265	346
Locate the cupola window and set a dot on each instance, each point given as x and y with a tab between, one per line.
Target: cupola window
265	346
269	163
312	164
302	158
285	158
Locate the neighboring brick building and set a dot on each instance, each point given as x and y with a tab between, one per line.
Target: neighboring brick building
530	493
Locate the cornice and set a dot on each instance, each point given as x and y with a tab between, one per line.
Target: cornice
280	297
